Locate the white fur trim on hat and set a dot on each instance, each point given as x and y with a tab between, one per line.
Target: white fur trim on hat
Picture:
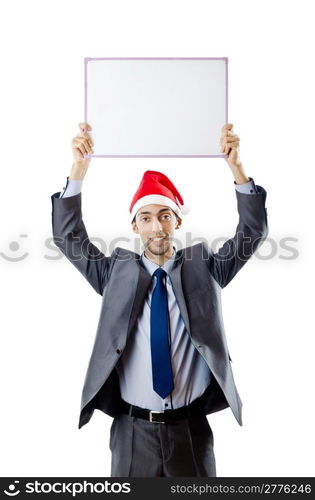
184	209
158	199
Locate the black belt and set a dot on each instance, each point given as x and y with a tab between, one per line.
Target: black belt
197	407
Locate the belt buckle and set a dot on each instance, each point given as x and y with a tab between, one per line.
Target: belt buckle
151	418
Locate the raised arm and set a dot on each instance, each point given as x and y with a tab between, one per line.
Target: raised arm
252	227
69	232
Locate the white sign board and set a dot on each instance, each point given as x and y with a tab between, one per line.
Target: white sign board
156	106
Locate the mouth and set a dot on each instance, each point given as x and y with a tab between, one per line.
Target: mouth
158	241
160	238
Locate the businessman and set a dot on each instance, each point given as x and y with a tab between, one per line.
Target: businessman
160	361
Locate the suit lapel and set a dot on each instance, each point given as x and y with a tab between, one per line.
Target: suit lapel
176	280
144	281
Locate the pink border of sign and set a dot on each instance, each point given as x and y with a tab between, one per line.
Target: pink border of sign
87	59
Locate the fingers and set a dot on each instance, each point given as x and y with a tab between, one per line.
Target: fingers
83	141
84	127
225	148
227	126
228	148
86	140
227	132
82	144
228	138
229	143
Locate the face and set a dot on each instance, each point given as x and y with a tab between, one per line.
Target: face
156	225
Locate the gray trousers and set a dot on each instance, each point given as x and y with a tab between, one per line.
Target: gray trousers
140	448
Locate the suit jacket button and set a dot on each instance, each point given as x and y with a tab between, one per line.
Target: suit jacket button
118	351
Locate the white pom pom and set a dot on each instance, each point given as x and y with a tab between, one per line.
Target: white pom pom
184	209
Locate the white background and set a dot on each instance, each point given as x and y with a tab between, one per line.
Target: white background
49	313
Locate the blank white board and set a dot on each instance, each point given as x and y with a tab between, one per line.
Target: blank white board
156	106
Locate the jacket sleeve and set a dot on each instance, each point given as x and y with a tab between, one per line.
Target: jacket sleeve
70	236
251	231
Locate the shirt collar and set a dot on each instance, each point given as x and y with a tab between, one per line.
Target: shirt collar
151	266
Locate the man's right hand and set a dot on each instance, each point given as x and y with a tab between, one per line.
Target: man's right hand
81	144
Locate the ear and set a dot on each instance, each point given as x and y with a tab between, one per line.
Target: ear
178	223
135	227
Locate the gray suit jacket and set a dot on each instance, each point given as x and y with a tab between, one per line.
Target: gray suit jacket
197	278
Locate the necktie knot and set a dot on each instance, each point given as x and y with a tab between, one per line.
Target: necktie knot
159	273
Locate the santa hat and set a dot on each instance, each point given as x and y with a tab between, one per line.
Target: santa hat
156	187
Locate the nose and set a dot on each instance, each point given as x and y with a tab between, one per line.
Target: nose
156	225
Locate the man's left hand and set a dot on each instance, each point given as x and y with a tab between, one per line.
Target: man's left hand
230	145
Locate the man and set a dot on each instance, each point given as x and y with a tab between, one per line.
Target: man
160	361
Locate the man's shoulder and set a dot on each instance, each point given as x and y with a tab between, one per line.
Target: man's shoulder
120	251
198	250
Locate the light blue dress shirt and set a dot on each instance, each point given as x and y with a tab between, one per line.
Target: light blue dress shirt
191	373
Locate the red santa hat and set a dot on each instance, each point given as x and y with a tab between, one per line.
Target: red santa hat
156	187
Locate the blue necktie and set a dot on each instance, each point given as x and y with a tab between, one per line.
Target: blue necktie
160	352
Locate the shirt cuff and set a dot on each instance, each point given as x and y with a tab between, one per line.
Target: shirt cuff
246	188
72	187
